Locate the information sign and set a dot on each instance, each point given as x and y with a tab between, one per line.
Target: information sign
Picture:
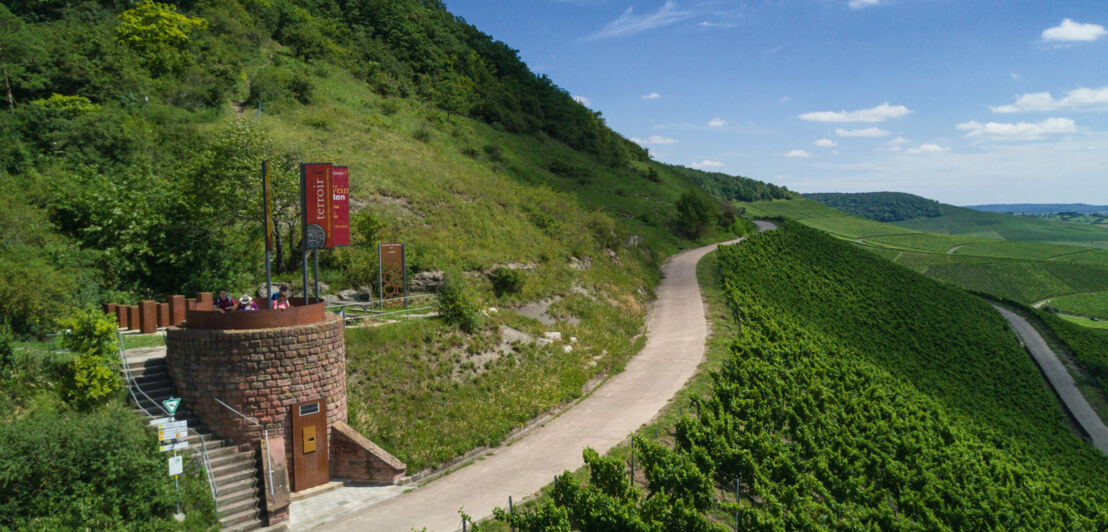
315	185
171	405
175	446
340	195
160	421
176	430
176	465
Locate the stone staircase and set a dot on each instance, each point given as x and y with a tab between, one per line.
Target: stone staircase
235	472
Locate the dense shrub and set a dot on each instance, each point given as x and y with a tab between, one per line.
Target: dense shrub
506	281
696	214
93	374
457	305
92	471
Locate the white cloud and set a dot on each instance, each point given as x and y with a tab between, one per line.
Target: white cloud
825	143
654	139
651	96
859	4
1019	130
717	122
1015	76
873	114
1079	98
582	100
707	163
897	141
798	154
867	132
629	23
660	126
707	24
928	148
1069	30
784	99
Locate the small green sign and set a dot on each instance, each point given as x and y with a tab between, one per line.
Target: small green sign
171	405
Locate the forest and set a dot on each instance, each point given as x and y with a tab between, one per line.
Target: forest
880	206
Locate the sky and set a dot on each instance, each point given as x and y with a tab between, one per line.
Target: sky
963	101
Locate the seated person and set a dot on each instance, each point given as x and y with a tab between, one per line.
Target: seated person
282	302
224	302
247	303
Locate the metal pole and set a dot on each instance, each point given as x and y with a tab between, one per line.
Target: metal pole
380	280
315	257
737	488
511	510
304	227
268	235
632	466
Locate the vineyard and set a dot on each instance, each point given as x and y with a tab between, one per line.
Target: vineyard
857	396
1025	282
1089	304
1026	272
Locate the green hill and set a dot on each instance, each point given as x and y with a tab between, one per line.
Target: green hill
857	395
879	206
131	140
962	221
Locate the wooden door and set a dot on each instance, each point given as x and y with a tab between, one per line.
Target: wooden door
310	466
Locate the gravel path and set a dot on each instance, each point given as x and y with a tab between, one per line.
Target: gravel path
676	334
1059	379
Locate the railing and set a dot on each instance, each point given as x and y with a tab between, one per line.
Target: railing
132	387
410	306
265	432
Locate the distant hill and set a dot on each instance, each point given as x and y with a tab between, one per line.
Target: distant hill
880	206
963	221
1039	208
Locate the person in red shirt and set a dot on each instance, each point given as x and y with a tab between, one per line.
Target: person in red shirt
224	302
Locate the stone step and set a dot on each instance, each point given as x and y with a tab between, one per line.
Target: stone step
229	490
242	491
244	517
227	462
232	475
147	368
234	506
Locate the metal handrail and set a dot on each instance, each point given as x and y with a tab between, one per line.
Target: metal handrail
265	432
132	385
373	309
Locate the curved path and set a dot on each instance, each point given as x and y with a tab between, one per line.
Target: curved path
676	334
1060	380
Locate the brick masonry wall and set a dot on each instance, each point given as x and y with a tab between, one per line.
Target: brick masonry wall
261	373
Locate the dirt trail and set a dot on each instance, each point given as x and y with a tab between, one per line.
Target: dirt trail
676	335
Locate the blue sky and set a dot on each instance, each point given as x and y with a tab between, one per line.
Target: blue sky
998	101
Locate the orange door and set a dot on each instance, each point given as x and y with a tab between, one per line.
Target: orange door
310	467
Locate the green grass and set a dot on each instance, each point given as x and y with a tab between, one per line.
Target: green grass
134	341
1085	322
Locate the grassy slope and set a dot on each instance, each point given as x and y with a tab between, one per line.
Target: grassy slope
465	196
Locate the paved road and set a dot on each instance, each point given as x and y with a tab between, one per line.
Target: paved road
676	334
1059	379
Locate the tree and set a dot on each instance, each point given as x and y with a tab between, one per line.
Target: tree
158	33
20	50
695	214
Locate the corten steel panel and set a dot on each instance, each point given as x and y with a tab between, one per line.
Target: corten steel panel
148	317
177	309
124	315
392	281
297	314
203	300
309	468
133	317
163	315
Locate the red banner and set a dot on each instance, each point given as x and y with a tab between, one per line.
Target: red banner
340	195
315	183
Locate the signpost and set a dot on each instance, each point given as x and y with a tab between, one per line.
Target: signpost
171	405
268	224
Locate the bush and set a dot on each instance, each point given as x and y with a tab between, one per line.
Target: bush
506	281
99	471
457	305
93	374
695	214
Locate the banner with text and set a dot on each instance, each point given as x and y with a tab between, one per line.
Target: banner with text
315	187
340	194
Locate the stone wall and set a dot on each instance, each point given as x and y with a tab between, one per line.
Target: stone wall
357	460
259	372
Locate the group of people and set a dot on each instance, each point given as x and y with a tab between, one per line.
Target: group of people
226	303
